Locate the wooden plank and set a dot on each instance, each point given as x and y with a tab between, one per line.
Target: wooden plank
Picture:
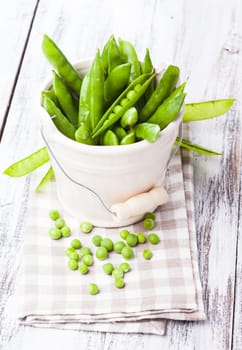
15	21
208	52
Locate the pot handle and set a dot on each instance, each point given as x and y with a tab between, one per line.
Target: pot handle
140	204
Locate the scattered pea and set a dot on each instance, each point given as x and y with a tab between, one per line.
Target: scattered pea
86	227
73	264
65	231
125	267
107	243
119	283
76	243
69	250
54	214
141	237
118	246
59	223
87	260
83	269
96	240
93	289
54	233
148	224
147	254
124	234
150	216
117	272
132	240
85	251
74	256
153	238
101	253
108	268
127	253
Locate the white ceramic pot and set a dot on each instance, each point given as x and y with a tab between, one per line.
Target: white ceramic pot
110	186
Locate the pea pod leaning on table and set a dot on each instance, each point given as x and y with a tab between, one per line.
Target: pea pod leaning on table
115	103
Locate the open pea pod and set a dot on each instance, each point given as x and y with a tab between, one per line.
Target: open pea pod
206	110
46	178
28	164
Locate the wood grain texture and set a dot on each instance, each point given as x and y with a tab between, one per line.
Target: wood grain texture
15	22
205	40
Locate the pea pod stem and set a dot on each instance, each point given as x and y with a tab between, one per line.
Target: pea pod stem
28	164
207	109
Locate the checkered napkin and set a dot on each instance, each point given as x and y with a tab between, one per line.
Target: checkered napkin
165	287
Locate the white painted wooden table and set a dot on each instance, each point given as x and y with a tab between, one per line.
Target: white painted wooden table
205	39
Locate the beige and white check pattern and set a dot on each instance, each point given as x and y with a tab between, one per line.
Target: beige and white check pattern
165	287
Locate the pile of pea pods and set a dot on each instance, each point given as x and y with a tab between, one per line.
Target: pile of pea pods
117	102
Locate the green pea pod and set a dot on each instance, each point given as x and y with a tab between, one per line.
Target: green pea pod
147	67
110	138
196	148
129	54
104	55
129	118
84	110
60	121
95	94
165	87
110	116
83	135
169	109
57	59
120	132
206	110
65	98
116	82
47	177
51	95
128	139
28	164
147	131
114	56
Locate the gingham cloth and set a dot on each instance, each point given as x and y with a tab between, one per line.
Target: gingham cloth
165	287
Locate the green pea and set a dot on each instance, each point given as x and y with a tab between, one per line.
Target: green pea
137	87
86	227
65	231
148	224
147	254
101	253
69	250
83	269
73	264
153	238
111	115
107	243
118	246
127	253
54	214
117	109
54	233
117	272
85	251
60	223
108	268
74	256
96	240
125	267
150	216
131	94
93	289
76	243
87	260
132	240
141	237
124	101
119	283
124	233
